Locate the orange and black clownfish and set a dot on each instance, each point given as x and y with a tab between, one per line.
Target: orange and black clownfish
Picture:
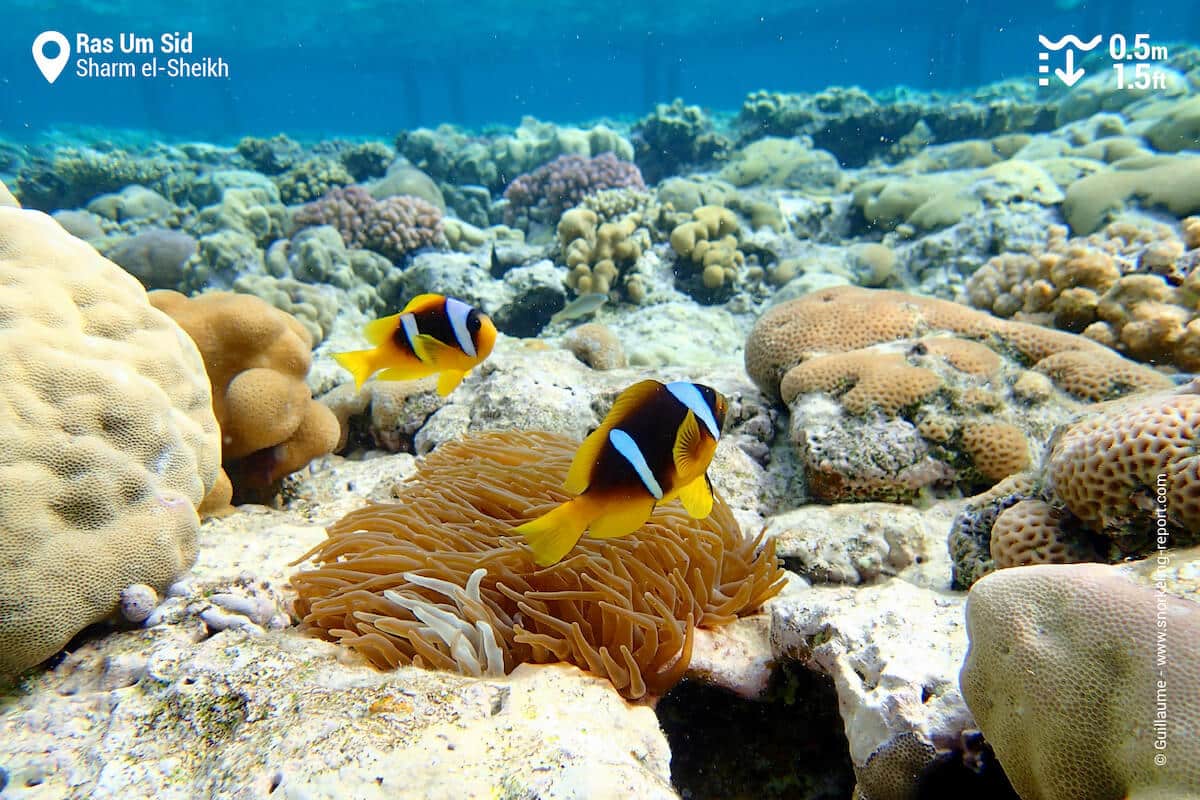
654	445
433	334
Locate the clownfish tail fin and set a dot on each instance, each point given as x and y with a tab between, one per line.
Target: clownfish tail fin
359	363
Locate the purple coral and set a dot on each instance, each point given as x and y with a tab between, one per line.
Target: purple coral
551	189
391	227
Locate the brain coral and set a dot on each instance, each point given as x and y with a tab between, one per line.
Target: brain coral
107	439
257	358
439	579
1061	676
1117	468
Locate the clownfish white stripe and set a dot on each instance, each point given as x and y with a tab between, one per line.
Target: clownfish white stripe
633	454
690	396
458	311
409	323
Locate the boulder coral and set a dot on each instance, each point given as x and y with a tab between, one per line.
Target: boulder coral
257	358
1067	679
108	441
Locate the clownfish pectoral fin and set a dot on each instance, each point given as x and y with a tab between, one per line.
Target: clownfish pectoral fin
449	380
621	518
359	363
422	302
552	535
380	330
697	498
690	446
436	353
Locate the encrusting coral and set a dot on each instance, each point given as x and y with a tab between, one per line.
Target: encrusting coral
439	580
257	358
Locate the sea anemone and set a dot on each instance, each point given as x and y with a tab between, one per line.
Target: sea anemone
439	579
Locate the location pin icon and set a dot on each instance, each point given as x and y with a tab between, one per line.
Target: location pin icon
51	67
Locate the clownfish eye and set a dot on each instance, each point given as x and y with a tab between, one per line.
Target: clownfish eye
473	323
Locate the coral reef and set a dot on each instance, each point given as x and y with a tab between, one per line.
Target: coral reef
312	179
597	253
392	227
892	395
1134	288
1117	481
108	439
709	241
270	156
367	160
544	194
257	358
1062	661
386	572
675	136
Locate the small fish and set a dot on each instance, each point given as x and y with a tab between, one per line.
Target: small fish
580	307
434	334
654	445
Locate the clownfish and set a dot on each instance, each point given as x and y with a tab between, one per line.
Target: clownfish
432	335
655	444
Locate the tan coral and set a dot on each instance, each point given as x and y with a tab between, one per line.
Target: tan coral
1061	678
1032	532
1101	375
257	359
850	318
710	242
107	439
595	253
1127	287
998	449
1115	467
965	356
863	380
1191	232
595	345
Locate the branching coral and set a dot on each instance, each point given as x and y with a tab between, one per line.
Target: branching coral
545	193
623	608
391	227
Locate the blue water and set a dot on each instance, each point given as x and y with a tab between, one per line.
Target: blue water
370	67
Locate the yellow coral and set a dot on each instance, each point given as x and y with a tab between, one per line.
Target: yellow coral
257	358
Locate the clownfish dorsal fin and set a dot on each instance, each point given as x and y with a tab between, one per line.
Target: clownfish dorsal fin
379	331
689	447
423	302
628	402
697	497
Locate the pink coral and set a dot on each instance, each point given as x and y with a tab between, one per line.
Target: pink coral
391	227
552	188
